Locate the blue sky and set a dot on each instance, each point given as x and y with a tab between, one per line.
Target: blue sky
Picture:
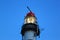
12	13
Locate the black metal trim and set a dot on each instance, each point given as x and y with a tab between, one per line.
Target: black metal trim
30	26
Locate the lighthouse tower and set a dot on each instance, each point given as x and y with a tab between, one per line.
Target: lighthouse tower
30	29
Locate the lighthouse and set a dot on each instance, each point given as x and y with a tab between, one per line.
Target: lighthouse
30	29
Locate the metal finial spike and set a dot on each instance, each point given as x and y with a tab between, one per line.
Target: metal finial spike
28	8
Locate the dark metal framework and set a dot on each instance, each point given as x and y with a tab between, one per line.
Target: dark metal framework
30	27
